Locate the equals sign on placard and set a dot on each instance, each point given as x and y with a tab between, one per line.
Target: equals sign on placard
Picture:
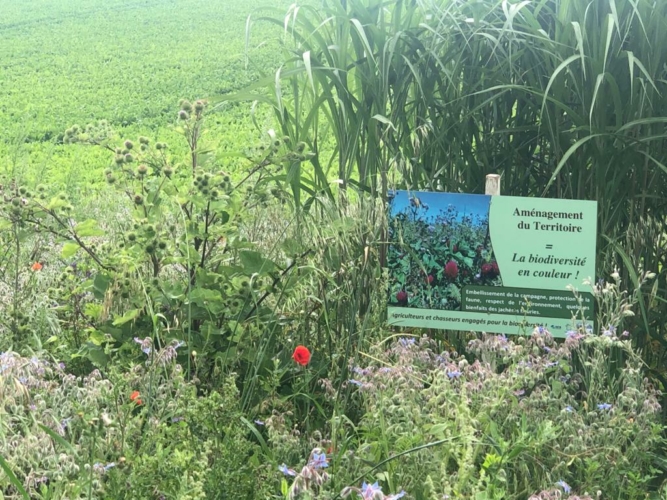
549	247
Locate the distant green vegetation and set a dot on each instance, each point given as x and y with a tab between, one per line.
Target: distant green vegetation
129	62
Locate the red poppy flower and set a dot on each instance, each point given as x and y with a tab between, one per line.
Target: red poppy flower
135	397
402	296
36	266
301	355
452	269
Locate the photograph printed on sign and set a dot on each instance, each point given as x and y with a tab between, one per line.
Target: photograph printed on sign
439	243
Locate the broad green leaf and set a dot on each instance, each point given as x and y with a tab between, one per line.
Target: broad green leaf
100	285
69	249
254	262
96	337
88	228
128	316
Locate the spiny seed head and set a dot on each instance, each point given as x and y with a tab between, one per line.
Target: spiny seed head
142	170
168	171
143	147
129	158
150	248
199	106
119	151
183	115
160	145
41	188
162	245
16	202
186	105
128	144
22	190
132	236
143	140
111	179
119	159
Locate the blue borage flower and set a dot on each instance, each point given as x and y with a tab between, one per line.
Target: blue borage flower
368	491
564	485
146	344
454	374
569	409
318	461
604	406
285	470
406	341
371	492
101	469
354	382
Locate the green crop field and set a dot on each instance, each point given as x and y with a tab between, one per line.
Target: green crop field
129	62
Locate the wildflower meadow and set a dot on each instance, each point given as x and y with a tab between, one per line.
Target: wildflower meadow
207	208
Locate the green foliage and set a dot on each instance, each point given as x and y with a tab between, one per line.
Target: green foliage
564	99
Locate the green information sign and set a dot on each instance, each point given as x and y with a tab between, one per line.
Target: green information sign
498	264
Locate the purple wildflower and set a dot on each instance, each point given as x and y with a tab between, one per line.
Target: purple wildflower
318	461
146	344
564	485
288	472
368	491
